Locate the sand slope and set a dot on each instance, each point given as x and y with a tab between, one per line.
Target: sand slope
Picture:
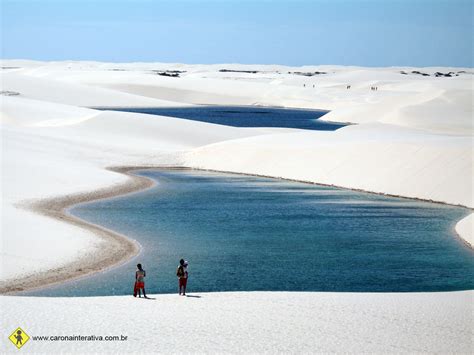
373	157
254	322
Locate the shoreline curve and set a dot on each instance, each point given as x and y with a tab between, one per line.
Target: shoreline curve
119	249
115	250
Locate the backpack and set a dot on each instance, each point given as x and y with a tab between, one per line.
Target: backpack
180	271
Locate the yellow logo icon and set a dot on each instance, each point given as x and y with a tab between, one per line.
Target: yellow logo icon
19	337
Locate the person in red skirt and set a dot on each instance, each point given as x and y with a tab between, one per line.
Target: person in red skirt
182	274
139	282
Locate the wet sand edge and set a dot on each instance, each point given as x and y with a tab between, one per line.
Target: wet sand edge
115	249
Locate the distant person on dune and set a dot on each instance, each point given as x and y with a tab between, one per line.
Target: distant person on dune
139	282
182	274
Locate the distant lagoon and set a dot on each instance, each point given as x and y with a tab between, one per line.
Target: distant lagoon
244	233
245	116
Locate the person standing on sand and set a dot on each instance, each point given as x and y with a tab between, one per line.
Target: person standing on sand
186	271
139	282
182	274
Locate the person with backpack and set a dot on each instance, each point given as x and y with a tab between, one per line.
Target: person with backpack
182	274
139	282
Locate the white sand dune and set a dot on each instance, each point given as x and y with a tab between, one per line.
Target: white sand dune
465	227
371	157
45	89
19	111
413	138
249	322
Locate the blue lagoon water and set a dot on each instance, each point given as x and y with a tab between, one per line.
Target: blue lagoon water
244	233
245	116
